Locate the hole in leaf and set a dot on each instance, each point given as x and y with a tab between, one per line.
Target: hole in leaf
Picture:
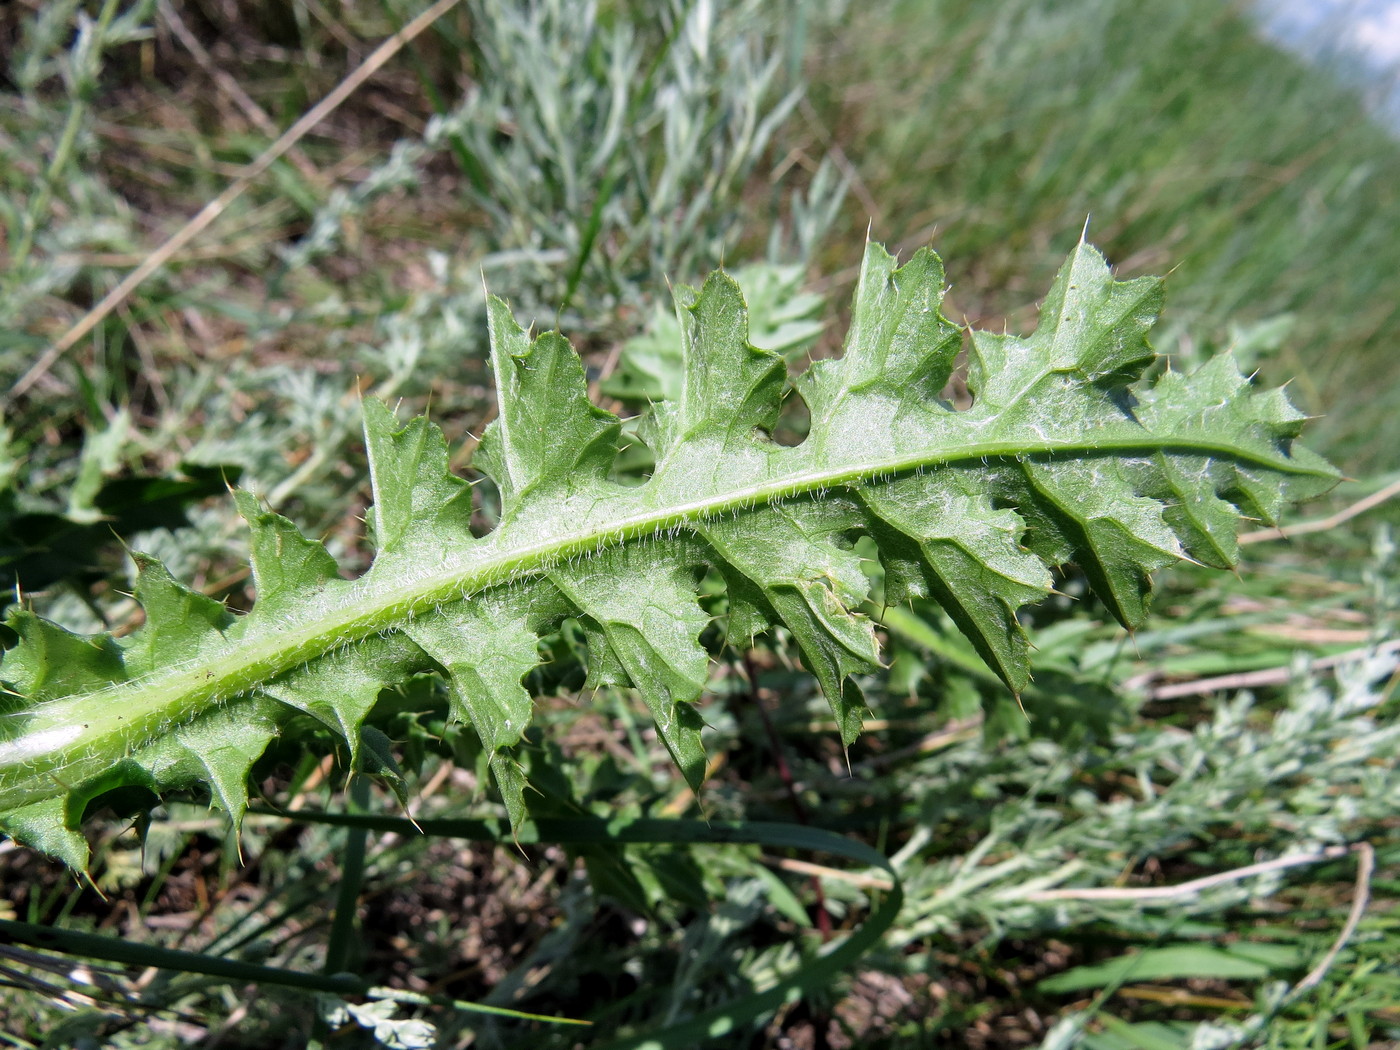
794	420
486	497
635	461
956	391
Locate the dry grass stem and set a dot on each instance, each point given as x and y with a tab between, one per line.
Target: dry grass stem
1251	679
1365	868
1303	528
1186	889
216	207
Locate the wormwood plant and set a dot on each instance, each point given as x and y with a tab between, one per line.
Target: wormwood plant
1064	456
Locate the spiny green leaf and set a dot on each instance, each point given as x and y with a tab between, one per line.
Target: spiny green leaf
782	318
486	647
50	662
415	495
1062	457
510	781
732	391
794	569
731	386
376	757
549	439
940	540
45	826
642	611
1115	536
287	567
340	688
219	748
177	618
899	351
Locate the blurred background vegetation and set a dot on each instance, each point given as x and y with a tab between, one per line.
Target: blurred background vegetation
577	156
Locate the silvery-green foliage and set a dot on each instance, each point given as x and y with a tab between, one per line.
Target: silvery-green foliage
812	212
612	153
401	170
608	151
783	318
54	208
1062	457
378	1017
1303	779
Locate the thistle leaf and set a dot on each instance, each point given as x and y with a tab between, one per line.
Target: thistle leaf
1064	456
218	748
641	611
177	619
942	541
339	688
549	440
486	647
791	566
415	495
899	351
287	566
50	663
45	826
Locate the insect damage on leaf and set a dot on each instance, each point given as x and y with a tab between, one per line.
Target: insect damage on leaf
1064	456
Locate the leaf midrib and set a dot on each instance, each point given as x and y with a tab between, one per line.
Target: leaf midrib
134	711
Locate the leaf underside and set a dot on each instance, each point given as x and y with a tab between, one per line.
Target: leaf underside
1064	456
